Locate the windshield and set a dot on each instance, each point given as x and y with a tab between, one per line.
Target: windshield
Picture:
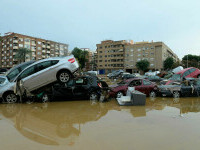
2	80
15	71
176	77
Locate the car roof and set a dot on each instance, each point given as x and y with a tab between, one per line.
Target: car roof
184	70
20	65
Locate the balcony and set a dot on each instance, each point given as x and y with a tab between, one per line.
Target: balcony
48	52
15	41
48	47
15	47
44	51
14	53
43	46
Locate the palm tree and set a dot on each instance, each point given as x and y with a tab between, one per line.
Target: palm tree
21	54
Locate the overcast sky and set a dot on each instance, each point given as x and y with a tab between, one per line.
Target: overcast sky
84	23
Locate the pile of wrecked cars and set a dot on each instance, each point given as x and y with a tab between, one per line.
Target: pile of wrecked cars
49	79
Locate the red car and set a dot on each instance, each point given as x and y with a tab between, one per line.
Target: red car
185	73
145	86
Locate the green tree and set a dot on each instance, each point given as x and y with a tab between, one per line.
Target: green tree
21	54
191	61
168	63
81	56
143	65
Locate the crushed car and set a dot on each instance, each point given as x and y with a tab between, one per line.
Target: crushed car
80	88
187	88
40	74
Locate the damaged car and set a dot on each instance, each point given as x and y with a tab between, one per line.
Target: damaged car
191	87
145	86
40	74
84	87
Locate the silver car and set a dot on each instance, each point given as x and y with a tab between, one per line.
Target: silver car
40	74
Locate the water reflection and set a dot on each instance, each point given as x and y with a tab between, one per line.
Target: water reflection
61	122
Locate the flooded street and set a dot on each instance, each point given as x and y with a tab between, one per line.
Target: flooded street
164	123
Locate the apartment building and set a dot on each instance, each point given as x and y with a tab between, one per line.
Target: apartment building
40	48
110	55
154	52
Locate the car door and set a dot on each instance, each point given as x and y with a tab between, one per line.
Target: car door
80	87
186	90
64	91
28	77
45	74
138	85
147	86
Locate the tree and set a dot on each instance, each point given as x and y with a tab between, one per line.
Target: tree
191	61
21	54
168	63
81	56
143	65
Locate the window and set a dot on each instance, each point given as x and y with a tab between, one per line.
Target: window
27	40
139	49
192	70
81	81
27	46
29	71
39	42
12	74
20	45
145	82
135	83
21	39
43	65
186	73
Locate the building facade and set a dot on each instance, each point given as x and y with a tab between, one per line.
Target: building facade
154	52
110	55
40	48
115	55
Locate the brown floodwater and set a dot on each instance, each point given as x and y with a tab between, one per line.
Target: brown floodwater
162	124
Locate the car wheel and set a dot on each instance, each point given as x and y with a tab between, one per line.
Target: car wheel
119	94
93	96
45	98
152	94
176	94
11	98
64	76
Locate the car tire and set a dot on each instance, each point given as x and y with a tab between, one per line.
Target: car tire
45	98
176	94
93	96
64	76
119	94
152	94
10	98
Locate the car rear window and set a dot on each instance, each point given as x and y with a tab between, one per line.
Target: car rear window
186	73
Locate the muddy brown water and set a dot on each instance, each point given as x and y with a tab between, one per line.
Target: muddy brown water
162	124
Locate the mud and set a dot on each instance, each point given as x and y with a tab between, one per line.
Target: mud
164	123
